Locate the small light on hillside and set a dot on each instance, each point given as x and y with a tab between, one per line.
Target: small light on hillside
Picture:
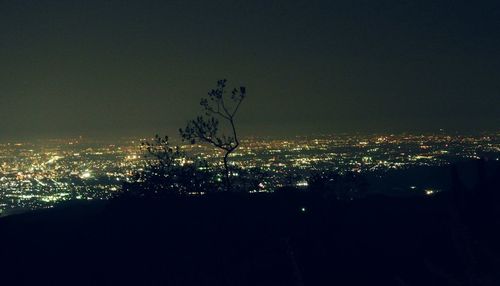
430	192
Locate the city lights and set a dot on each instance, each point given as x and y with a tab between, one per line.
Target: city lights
40	175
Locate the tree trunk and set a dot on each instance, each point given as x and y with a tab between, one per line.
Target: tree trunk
227	173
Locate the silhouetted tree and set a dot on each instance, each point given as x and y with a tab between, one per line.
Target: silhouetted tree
206	128
163	154
169	171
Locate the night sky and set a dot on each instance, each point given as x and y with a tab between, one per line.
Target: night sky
119	68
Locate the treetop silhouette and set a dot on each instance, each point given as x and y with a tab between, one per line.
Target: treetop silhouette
218	106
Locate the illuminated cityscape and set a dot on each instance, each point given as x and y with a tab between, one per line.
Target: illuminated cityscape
250	143
41	174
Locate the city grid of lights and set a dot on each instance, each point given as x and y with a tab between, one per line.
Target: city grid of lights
39	175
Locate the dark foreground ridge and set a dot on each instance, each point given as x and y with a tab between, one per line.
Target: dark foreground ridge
290	238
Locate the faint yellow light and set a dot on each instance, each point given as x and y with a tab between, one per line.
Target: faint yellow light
53	159
302	184
86	175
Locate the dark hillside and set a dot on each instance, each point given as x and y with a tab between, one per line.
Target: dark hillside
281	239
